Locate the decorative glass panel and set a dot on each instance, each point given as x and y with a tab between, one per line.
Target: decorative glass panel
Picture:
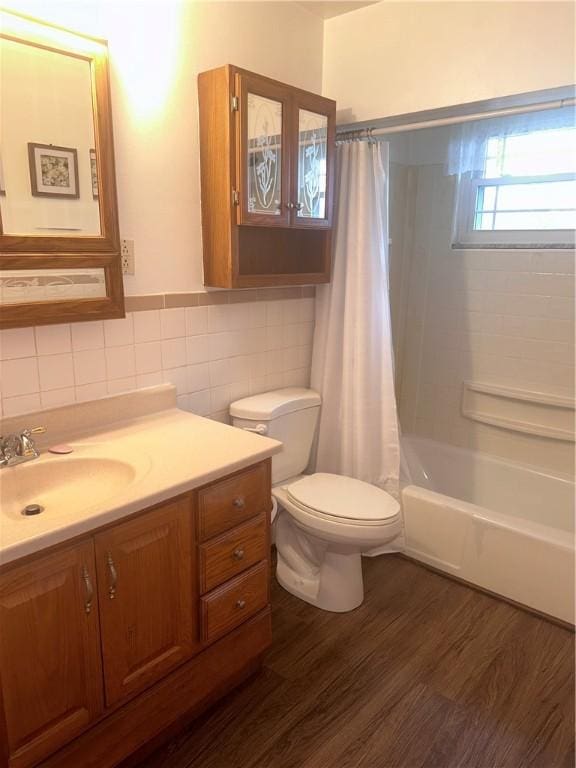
312	145
19	286
264	155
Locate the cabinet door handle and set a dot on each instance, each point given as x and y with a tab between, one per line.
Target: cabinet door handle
239	502
240	604
238	554
89	589
113	576
290	206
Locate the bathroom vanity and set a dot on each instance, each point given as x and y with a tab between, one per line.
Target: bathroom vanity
123	619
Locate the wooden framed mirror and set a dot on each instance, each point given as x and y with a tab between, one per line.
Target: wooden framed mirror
59	233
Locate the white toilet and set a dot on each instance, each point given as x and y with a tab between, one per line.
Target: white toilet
325	521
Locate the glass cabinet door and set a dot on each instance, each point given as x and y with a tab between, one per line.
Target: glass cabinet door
312	140
263	167
314	165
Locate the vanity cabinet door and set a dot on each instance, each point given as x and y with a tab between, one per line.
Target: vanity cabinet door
51	674
314	130
263	152
147	592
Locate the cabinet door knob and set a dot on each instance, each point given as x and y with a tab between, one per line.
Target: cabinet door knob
238	554
240	604
239	502
290	206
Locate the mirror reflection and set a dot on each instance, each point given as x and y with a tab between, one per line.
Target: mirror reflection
48	168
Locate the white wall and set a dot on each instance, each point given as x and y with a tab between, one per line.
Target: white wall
399	57
157	49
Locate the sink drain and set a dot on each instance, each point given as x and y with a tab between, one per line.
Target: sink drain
33	509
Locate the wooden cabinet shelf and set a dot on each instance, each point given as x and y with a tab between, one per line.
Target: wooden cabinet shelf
267	178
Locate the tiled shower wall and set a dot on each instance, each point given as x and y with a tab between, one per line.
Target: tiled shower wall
495	316
212	354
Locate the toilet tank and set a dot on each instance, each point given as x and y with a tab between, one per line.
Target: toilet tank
289	415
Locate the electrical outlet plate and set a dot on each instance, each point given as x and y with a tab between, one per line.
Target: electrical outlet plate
127	256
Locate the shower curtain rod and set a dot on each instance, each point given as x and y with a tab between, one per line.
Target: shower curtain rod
373	133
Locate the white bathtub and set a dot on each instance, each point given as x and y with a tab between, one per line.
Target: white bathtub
506	527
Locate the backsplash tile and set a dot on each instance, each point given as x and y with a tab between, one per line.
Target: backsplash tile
53	339
56	372
87	335
17	342
212	354
147	326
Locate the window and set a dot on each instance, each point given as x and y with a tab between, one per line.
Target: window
524	192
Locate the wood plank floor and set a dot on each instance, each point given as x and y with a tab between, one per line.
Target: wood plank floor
427	673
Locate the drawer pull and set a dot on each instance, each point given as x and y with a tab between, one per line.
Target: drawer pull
240	604
239	502
238	554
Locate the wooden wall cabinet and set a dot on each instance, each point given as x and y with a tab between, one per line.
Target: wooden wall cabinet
267	177
106	642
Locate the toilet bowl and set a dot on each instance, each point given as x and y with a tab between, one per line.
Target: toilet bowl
325	521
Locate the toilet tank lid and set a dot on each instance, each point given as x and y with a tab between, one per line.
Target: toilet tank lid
269	405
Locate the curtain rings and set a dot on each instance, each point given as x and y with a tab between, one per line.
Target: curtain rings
349	137
359	134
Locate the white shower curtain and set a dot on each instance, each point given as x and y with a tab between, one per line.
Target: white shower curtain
352	360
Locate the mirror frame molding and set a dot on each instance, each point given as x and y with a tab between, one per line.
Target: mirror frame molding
58	252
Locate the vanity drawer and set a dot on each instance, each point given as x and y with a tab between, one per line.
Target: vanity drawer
224	504
229	605
233	552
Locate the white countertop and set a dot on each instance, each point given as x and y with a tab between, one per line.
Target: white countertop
168	453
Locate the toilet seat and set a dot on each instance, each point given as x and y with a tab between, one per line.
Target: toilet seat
343	499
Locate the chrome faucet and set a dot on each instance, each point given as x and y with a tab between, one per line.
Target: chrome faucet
17	448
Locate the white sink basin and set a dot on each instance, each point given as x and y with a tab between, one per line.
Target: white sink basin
63	485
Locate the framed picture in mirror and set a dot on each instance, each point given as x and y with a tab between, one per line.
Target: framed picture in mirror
53	171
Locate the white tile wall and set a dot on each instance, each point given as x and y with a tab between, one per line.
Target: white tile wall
503	317
213	355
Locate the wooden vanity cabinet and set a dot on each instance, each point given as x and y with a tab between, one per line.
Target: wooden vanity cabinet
107	641
267	177
147	595
50	663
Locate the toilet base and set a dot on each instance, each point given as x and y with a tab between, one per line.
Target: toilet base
322	574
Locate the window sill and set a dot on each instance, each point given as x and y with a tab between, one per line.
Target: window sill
512	246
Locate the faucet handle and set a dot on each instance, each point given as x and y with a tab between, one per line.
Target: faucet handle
34	431
27	447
